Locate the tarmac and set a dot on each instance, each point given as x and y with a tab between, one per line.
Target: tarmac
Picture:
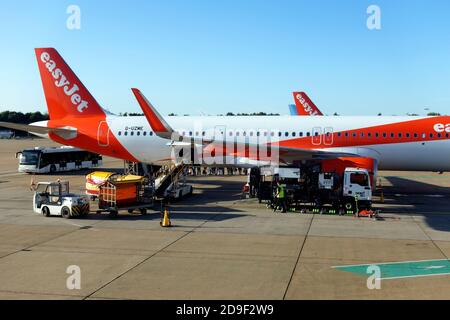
220	246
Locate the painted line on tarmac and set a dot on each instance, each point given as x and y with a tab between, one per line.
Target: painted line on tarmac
402	269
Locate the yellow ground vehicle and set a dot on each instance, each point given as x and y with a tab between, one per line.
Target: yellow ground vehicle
120	192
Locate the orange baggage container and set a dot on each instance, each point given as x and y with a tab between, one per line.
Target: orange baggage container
120	191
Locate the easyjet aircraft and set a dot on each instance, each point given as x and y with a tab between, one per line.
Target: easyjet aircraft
76	119
304	105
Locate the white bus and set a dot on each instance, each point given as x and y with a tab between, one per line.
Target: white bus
44	160
6	134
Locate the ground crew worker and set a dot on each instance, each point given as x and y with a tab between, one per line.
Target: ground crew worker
280	198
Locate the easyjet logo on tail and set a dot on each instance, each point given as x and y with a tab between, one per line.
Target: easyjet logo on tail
62	82
306	105
439	127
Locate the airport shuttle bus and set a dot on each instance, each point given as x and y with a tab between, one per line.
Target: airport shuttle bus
50	160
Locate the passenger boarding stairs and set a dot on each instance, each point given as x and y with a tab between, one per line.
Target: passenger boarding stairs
162	180
167	177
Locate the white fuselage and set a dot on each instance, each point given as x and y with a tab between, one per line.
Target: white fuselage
411	149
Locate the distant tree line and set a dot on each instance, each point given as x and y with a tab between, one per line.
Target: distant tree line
231	114
131	114
22	118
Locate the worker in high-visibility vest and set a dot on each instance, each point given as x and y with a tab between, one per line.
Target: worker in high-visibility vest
280	198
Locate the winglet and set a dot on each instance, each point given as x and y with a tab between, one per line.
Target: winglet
156	121
305	107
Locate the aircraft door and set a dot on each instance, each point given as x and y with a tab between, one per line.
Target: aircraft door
103	133
220	137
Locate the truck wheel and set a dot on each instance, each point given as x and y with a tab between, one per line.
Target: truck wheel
349	206
45	212
65	213
130	210
113	214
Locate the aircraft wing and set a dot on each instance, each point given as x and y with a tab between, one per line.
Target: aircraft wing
286	154
63	132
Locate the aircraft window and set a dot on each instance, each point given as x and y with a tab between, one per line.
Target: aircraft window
126	133
369	134
384	135
196	133
354	134
300	134
424	135
151	133
377	134
190	133
272	133
439	135
251	133
308	134
399	135
203	133
257	134
120	133
132	133
145	133
316	134
293	134
138	133
184	133
286	134
446	135
431	135
408	135
346	134
339	134
230	133
392	135
279	134
362	134
265	133
415	135
244	134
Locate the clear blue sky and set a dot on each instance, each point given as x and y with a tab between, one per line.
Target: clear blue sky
216	56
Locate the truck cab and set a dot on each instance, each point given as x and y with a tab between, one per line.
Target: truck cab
357	186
